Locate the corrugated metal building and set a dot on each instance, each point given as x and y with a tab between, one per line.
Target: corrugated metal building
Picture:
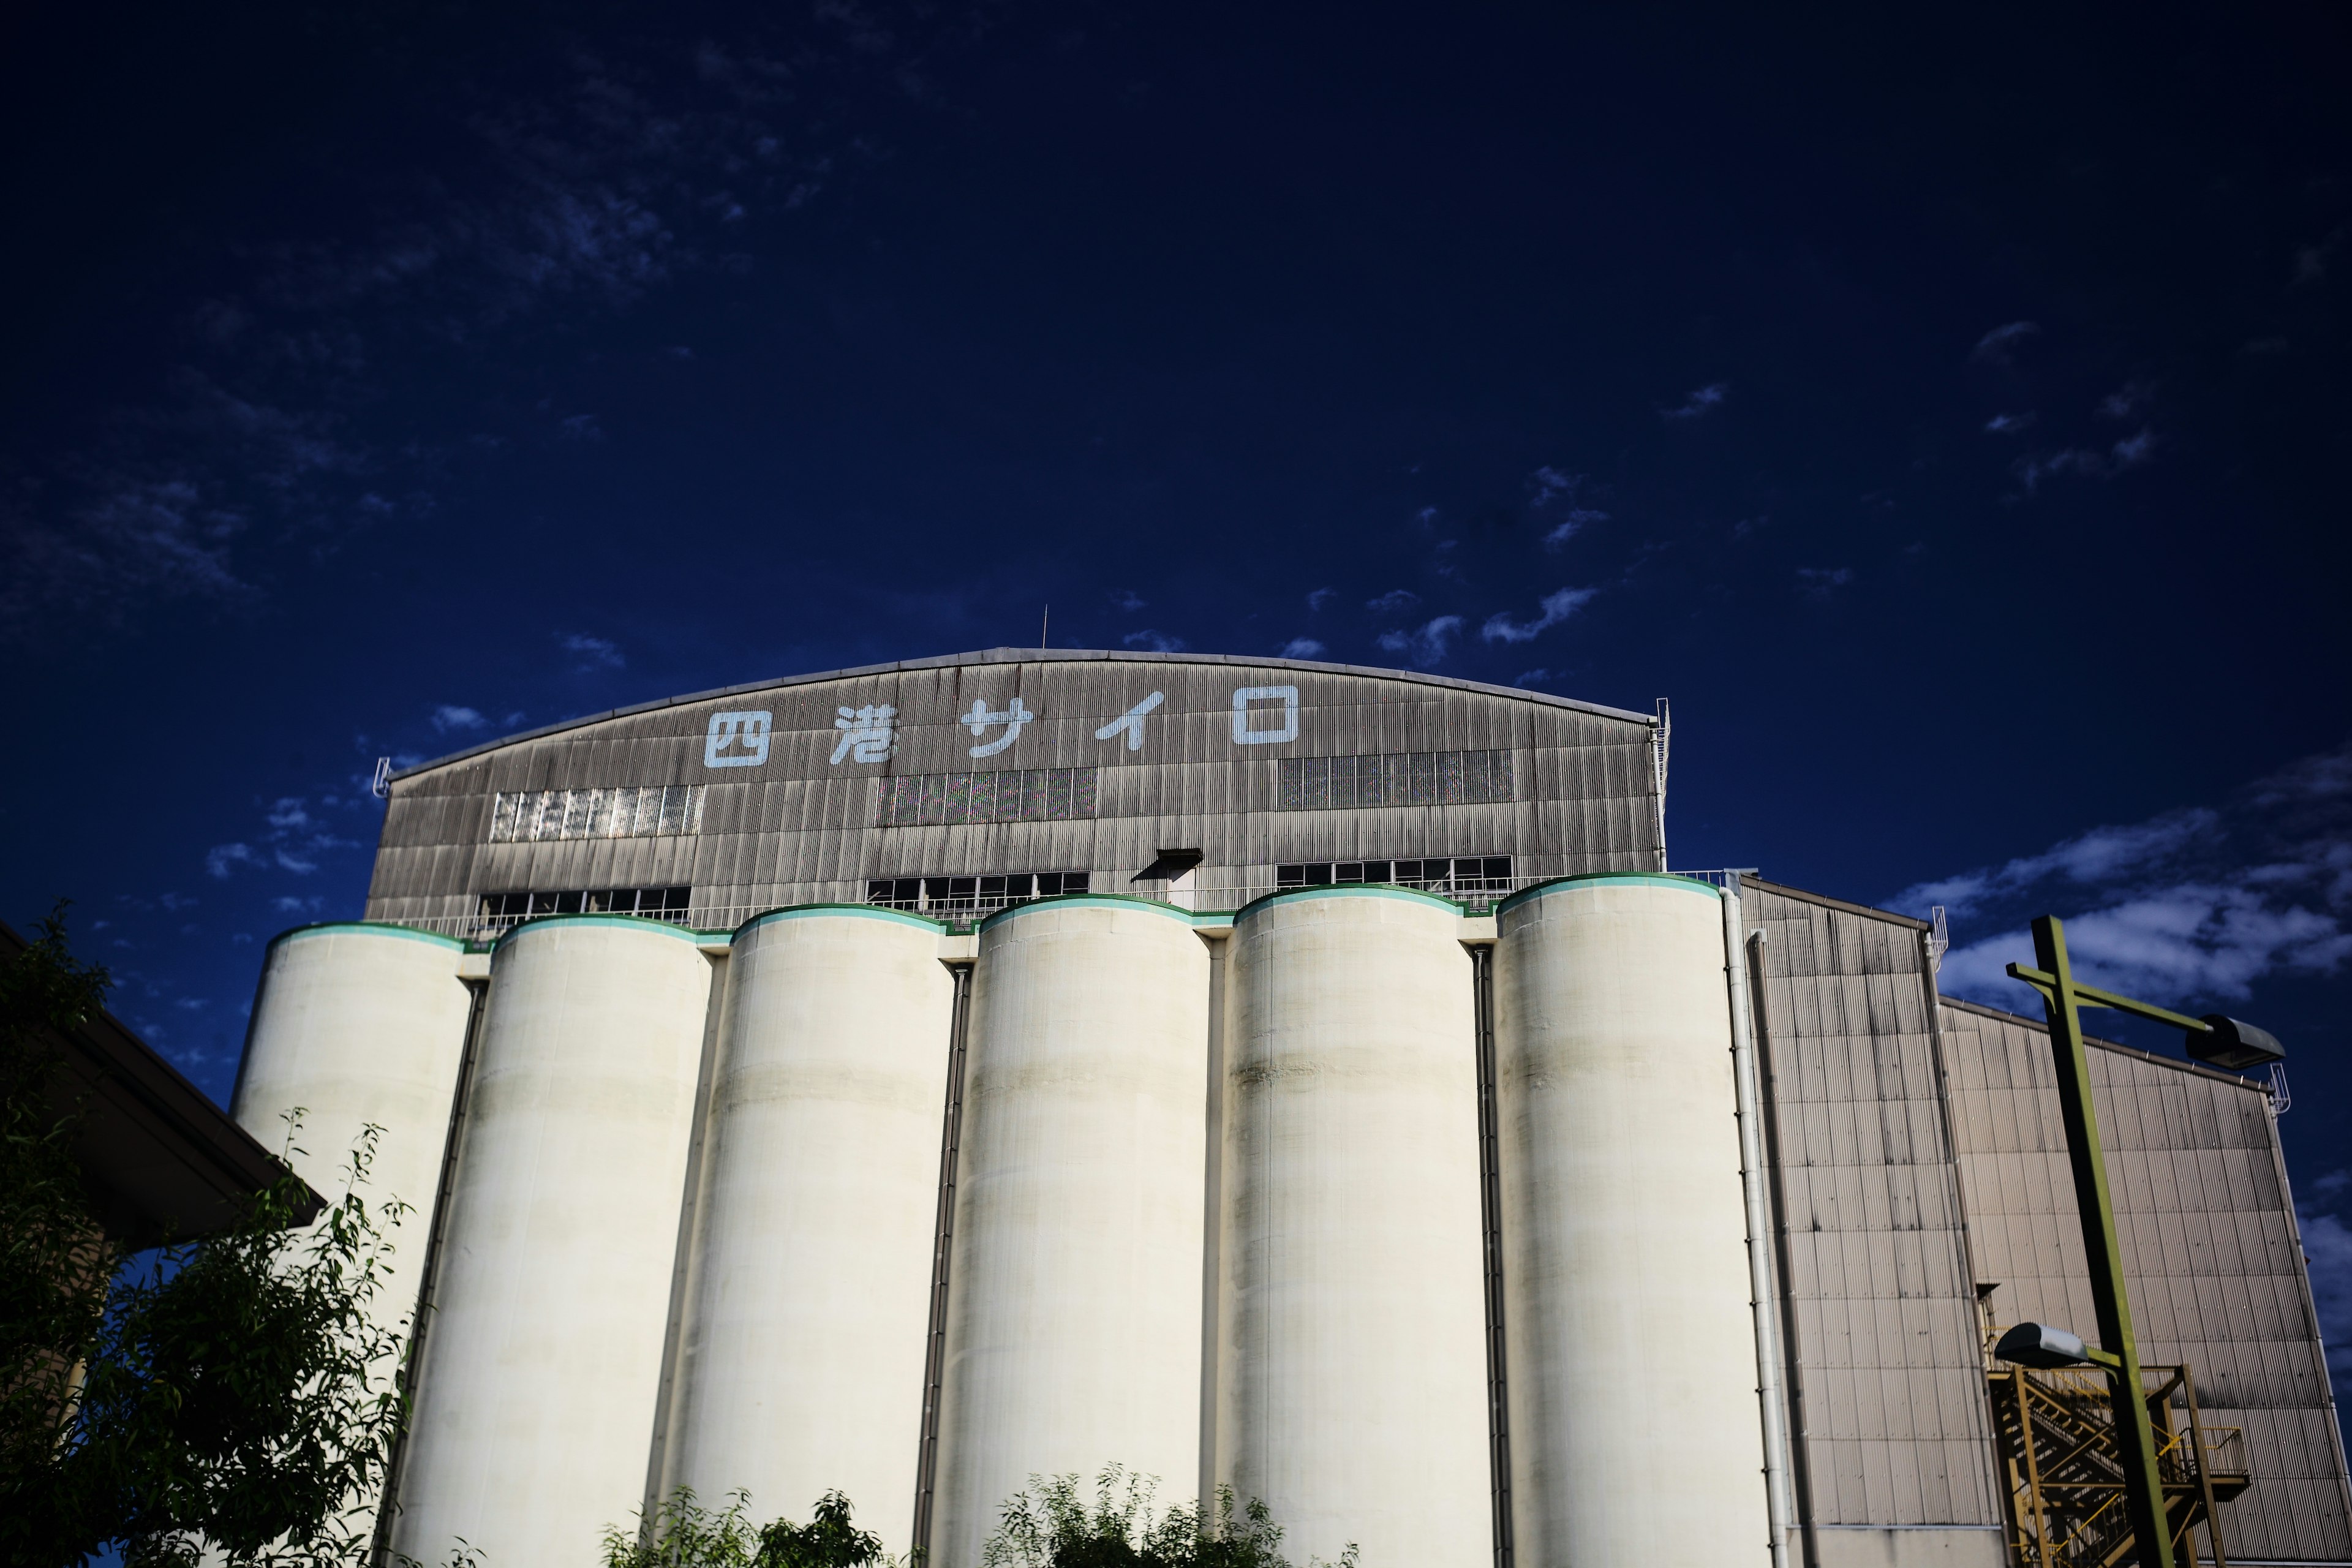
986	820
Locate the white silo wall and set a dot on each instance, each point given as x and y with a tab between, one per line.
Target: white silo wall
542	1362
356	1024
802	1358
1351	1365
1074	1302
1630	1344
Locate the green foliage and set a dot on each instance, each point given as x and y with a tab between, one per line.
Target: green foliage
54	1262
685	1534
1050	1526
233	1394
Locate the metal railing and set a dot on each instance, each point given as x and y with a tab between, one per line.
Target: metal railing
962	912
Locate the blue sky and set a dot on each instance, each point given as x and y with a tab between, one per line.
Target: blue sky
1950	418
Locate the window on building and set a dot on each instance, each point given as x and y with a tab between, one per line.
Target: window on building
629	811
973	895
1454	874
1010	795
1395	778
656	903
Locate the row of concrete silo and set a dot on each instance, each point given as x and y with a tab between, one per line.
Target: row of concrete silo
837	1202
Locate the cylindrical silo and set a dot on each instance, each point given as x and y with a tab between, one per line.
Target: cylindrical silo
1073	1298
800	1364
356	1024
1631	1347
543	1361
1351	1361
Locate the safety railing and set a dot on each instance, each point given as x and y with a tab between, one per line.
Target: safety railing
961	910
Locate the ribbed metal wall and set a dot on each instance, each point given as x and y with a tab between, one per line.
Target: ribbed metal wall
799	826
2212	1252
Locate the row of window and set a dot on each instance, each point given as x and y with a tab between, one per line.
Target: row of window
661	903
1395	778
651	810
1009	795
967	895
1459	873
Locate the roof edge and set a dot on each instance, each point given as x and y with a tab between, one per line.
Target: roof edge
1025	656
1823	900
2042	1025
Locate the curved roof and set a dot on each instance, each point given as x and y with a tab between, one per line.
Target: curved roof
1030	655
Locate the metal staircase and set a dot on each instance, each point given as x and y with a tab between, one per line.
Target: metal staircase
2065	1494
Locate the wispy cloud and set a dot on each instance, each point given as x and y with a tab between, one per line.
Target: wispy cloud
1156	641
292	838
594	653
1556	607
447	717
2000	345
2193	904
1302	648
1821	582
1393	602
1531	676
2127	400
281	426
2007	423
1699	402
223	859
1547	483
2126	454
1424	645
1318	597
1126	599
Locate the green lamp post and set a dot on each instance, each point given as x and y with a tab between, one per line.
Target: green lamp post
2224	1042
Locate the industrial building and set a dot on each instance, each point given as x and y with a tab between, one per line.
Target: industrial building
1294	1076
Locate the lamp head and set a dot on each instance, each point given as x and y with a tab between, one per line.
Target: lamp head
2227	1043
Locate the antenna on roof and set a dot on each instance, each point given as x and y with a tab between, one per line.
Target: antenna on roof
380	786
1661	739
1043	622
1939	938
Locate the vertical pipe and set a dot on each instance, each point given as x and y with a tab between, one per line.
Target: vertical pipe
1800	1456
1498	1401
1754	1181
935	1356
1213	1230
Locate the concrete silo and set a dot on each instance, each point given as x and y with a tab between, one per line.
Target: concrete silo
1634	1428
800	1363
542	1362
1073	1302
356	1024
1351	1375
360	1024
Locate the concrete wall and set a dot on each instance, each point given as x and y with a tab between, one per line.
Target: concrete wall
800	1363
543	1363
1634	1433
1073	1328
1350	1354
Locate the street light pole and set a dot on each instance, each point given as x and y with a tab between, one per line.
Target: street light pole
2135	1437
2220	1041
